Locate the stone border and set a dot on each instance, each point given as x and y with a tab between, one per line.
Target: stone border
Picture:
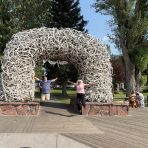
19	108
105	109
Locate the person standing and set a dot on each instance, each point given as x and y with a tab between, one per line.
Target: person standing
133	101
140	98
80	98
44	85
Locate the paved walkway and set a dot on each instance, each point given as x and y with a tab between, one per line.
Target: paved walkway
96	132
119	131
54	117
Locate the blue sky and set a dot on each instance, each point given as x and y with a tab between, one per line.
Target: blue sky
97	24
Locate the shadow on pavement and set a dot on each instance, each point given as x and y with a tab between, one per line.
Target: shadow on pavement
72	115
58	105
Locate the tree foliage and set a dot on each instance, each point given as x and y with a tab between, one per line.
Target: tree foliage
130	29
129	22
143	80
66	14
140	58
118	69
63	72
38	72
18	15
5	22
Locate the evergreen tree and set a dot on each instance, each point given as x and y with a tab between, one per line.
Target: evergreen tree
66	14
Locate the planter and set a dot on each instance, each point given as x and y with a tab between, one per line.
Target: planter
105	109
19	108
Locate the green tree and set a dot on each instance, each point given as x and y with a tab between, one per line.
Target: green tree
143	80
18	15
118	71
62	72
5	23
38	72
140	59
66	14
31	13
129	25
108	49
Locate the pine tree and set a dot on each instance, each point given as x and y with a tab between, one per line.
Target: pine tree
66	14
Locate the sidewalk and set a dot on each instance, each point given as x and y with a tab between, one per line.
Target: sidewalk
38	141
44	130
54	117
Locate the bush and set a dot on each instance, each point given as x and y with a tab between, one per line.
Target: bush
145	89
143	80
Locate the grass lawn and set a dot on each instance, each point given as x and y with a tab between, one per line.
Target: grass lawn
71	93
63	99
121	96
57	93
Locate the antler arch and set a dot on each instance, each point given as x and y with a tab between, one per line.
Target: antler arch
86	53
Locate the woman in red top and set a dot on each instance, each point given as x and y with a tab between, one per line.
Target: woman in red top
80	99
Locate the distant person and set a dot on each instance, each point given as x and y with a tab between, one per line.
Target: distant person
80	99
133	101
44	85
140	98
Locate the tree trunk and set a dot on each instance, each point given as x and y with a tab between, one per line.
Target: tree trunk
130	72
146	88
137	78
64	92
117	87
